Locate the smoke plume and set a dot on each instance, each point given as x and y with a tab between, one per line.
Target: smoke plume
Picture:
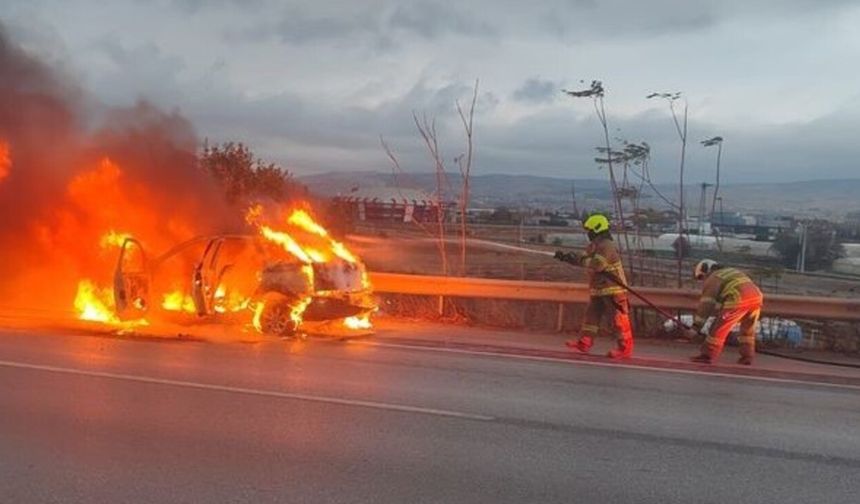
68	176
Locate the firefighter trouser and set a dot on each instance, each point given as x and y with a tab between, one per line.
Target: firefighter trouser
616	309
747	315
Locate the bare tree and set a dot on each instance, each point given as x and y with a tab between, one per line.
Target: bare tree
397	173
596	92
427	130
681	128
464	161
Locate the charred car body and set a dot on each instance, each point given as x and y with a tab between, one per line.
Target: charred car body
239	278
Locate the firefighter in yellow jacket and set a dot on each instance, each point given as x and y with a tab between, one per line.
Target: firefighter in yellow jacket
607	300
732	298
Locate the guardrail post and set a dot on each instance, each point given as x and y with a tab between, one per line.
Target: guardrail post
559	322
441	306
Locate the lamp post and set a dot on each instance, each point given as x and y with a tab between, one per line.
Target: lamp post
710	142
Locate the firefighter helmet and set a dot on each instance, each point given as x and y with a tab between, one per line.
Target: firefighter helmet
704	267
597	223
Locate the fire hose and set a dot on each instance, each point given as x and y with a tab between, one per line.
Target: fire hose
571	259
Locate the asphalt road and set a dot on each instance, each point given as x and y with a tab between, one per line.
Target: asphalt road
98	419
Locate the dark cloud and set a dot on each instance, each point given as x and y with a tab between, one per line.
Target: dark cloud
536	90
195	6
555	141
298	27
432	20
138	70
315	130
378	27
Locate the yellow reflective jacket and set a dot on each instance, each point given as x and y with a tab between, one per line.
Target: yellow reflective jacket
726	288
602	257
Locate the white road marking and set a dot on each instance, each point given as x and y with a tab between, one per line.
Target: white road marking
607	364
247	391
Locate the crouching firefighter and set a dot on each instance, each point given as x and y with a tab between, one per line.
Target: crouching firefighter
729	295
607	299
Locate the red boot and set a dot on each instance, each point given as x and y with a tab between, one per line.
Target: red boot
583	344
624	350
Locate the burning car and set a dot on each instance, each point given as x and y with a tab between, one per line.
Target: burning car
276	280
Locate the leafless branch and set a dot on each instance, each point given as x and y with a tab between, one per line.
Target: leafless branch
464	162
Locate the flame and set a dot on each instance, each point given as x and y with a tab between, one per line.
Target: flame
93	303
303	220
178	301
297	311
113	239
258	314
358	322
5	159
305	253
232	301
286	241
299	235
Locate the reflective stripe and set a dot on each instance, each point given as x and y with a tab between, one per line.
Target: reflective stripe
605	291
590	329
743	339
600	260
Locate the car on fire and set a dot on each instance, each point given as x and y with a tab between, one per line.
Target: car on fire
239	278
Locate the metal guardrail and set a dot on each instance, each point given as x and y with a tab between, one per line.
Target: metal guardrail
563	292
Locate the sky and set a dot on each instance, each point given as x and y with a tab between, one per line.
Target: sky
314	86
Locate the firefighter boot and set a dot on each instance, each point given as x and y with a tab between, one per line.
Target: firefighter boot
583	344
707	354
624	350
747	354
702	358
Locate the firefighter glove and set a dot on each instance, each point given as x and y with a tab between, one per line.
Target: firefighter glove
565	256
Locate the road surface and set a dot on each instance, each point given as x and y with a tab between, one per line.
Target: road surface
87	419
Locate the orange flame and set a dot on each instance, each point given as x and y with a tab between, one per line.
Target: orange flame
303	220
94	304
358	322
113	239
178	301
5	159
229	301
286	241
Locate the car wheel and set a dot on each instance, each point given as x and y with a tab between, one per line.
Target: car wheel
276	320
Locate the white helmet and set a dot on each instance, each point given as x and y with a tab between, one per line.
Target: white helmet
703	268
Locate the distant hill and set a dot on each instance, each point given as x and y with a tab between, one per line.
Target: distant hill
825	198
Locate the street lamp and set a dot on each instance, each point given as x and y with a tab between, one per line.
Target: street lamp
710	142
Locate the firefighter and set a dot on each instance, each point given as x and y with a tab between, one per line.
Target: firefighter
607	300
729	295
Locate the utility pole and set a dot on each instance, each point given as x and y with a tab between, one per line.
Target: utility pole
702	203
710	142
801	256
573	196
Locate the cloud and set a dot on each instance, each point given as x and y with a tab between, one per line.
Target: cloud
313	86
536	90
432	20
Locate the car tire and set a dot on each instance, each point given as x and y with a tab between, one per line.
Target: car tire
275	319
